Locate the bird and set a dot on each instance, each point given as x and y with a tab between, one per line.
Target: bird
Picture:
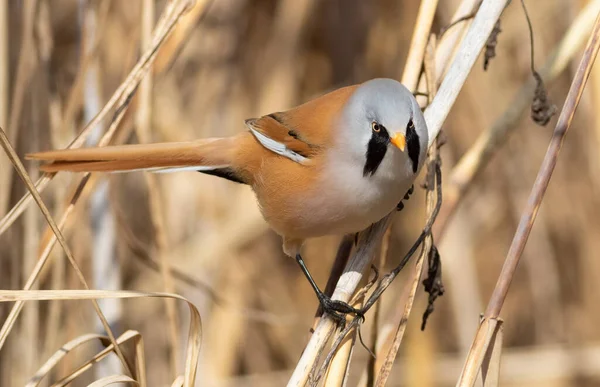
333	165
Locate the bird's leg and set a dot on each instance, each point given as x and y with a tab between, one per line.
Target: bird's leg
337	309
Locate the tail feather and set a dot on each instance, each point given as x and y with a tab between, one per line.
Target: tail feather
200	154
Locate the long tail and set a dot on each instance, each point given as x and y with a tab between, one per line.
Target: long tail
202	155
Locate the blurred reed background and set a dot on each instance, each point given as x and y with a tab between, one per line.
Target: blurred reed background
60	60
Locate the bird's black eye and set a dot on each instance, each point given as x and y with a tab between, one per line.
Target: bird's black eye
376	127
411	125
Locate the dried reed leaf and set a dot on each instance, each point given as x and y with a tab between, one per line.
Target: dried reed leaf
195	330
139	359
63	351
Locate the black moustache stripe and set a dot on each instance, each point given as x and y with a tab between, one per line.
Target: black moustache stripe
376	149
412	145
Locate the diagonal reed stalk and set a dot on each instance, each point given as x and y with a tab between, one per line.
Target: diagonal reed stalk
490	320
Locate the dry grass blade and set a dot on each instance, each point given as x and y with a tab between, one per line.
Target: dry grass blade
25	67
120	98
482	338
74	101
375	336
4	73
450	38
64	350
139	359
174	43
113	379
414	62
195	330
61	353
38	199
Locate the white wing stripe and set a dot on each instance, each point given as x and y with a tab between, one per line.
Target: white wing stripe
198	168
277	147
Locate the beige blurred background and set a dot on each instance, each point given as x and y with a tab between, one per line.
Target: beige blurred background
245	58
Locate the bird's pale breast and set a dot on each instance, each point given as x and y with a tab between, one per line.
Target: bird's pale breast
309	201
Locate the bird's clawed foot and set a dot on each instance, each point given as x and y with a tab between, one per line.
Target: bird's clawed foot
410	191
338	309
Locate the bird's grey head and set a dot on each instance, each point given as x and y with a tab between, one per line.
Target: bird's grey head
384	129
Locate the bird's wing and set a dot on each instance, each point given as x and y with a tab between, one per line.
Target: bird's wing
304	131
276	136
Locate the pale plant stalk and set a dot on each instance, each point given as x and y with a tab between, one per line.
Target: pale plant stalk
416	52
337	374
31	315
377	339
435	115
172	46
483	337
449	42
26	64
4	92
144	130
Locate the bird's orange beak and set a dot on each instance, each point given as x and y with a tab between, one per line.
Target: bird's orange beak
399	141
